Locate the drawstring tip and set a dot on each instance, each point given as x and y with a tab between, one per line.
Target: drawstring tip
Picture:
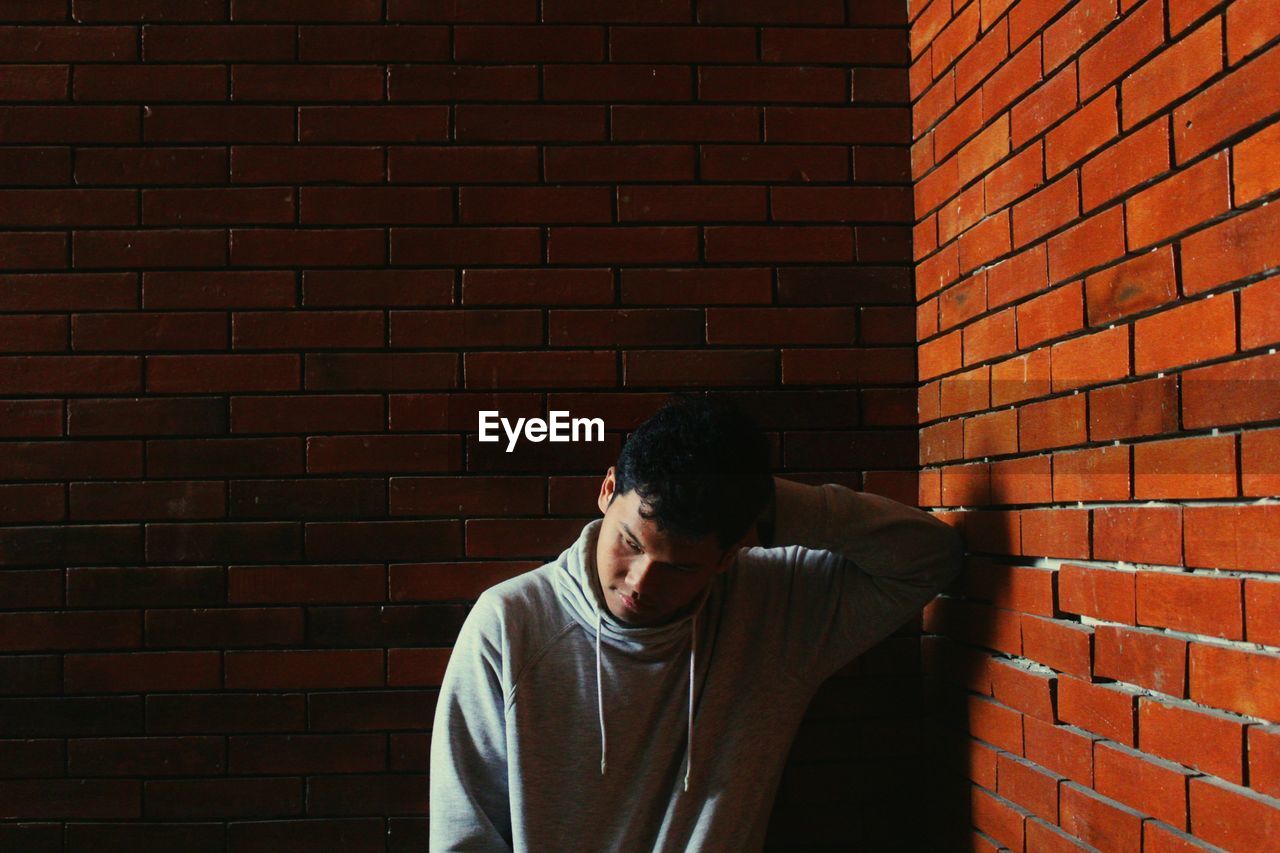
602	767
686	781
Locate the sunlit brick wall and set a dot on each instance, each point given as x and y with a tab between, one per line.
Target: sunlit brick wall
1100	390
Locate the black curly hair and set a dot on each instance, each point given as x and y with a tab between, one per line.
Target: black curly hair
700	465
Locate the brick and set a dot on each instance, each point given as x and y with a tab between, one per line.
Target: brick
939	355
771	163
1090	360
292	10
218	206
1203	739
1179	202
67	208
464	83
1088	129
1092	474
69	124
375	205
697	367
1051	315
1098	820
1131	161
532	369
139	672
1264	759
1064	749
966	392
1230	250
1052	423
485	123
986	149
987	240
150	83
1148	785
1174	73
1259	449
1227	107
225	124
990	337
32	43
1134	38
1149	659
1047	210
213	43
627	327
987	53
462	10
1235	680
1101	593
964	301
995	724
1022	480
764	12
1147	407
1130	287
373	124
1065	646
1101	708
540	43
1026	18
373	43
463	164
1253	169
1161	838
1232	817
1011	81
314	247
1184	13
1082	21
1000	819
702	44
1198	604
777	243
306	83
992	434
479	246
693	204
1061	533
298	668
1161	341
872	125
1031	787
148	249
1014	178
531	205
693	286
1232	538
35	82
1054	98
1018	276
746	84
1090	243
156	165
35	166
98	11
1250	25
1029	691
1051	839
1188	468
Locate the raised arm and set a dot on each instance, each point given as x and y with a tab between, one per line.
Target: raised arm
470	806
896	558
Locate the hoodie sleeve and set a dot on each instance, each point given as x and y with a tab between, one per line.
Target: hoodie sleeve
865	565
470	807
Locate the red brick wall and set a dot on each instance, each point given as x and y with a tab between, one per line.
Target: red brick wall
262	261
1098	367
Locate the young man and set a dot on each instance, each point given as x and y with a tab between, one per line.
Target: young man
642	691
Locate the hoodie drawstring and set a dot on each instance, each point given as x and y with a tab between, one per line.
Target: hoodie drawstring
600	697
693	658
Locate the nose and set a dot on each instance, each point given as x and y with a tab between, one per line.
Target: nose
639	571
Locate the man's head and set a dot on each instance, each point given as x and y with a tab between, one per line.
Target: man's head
683	497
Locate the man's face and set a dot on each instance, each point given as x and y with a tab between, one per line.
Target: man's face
636	561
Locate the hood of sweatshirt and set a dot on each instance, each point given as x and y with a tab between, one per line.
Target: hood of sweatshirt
578	586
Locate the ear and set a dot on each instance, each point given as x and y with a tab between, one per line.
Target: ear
606	490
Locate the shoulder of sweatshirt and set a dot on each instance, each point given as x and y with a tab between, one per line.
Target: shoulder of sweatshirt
523	612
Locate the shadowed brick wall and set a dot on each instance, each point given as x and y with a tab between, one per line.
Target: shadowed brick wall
1100	393
262	261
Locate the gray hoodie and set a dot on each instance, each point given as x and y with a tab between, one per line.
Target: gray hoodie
560	728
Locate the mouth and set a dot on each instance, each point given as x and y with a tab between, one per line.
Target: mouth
629	605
